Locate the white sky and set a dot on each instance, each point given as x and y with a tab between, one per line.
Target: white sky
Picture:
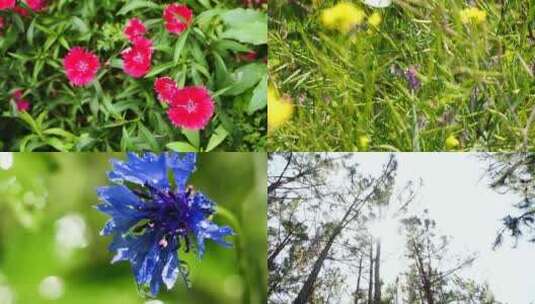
468	211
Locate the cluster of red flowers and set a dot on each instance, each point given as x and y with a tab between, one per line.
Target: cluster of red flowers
81	66
35	5
22	104
189	107
137	59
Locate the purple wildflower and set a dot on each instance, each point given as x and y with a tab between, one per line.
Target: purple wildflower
411	74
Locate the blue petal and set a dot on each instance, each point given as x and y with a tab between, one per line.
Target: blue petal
202	203
109	227
122	205
149	168
120	198
146	256
155	286
182	164
131	248
145	272
150	267
208	230
170	270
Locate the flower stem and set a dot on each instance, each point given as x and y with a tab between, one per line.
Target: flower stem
230	217
239	246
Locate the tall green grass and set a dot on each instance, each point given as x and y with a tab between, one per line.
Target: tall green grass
478	82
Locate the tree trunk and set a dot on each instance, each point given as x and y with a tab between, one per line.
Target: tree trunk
304	294
306	291
357	290
396	292
377	295
278	250
424	277
370	283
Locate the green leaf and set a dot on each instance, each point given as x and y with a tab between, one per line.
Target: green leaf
60	132
246	25
58	144
205	17
149	137
180	46
79	25
222	76
246	77
193	137
216	139
34	125
231	45
133	5
259	99
160	69
181	147
30	32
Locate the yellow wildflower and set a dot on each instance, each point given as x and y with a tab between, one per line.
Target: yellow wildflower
473	15
364	142
344	16
375	19
280	110
452	143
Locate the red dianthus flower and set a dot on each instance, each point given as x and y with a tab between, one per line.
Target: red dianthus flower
81	66
137	59
190	107
36	5
177	18
22	104
21	11
166	89
7	4
134	29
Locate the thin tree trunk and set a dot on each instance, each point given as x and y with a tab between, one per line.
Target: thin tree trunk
424	277
357	290
370	283
277	251
377	295
306	291
396	293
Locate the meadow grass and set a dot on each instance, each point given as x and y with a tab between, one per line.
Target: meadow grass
477	80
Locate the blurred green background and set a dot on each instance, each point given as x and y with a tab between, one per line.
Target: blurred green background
51	251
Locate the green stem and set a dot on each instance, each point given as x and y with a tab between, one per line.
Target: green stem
230	217
239	246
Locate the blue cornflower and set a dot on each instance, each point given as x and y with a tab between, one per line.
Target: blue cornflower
153	213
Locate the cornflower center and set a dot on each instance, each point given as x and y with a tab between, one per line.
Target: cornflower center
167	214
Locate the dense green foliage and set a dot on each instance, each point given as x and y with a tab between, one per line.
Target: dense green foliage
40	190
476	79
118	112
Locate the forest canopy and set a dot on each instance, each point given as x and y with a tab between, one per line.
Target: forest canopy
327	216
